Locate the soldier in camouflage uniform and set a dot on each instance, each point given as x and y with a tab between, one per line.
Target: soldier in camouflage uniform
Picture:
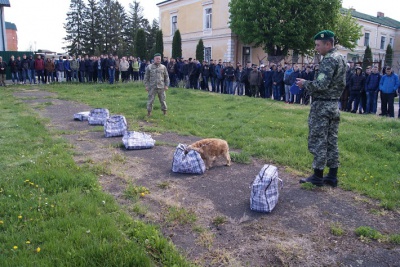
324	115
156	81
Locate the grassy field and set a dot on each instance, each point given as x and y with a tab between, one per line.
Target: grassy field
54	213
273	131
46	198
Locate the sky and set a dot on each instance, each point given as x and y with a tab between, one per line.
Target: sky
40	22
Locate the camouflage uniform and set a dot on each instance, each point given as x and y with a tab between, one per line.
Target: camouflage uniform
324	117
156	79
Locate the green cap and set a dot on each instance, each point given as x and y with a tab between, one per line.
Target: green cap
324	35
157	55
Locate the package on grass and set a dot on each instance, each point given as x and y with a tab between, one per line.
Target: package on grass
115	126
81	116
137	140
98	116
187	161
265	189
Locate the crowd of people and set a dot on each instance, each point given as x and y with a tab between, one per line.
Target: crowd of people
275	81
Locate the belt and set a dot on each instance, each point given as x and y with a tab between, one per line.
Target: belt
326	99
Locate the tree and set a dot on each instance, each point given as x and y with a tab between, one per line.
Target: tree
389	56
136	21
118	21
177	45
75	26
140	44
200	51
347	30
280	26
91	31
159	43
152	38
367	58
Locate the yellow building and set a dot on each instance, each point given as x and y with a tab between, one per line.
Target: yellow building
209	20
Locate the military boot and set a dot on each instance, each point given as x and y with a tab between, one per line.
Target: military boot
164	112
315	179
331	178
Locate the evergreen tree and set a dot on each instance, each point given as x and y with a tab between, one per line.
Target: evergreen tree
159	43
118	21
75	27
91	28
200	51
367	61
177	45
136	21
151	38
389	56
140	44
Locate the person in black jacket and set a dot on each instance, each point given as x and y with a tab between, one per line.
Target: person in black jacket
205	74
357	84
277	82
3	68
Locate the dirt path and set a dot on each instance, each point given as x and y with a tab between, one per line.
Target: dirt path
296	233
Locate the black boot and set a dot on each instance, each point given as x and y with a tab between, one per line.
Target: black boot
331	178
316	179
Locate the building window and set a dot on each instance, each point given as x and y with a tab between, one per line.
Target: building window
383	40
391	42
207	54
366	39
208	18
174	24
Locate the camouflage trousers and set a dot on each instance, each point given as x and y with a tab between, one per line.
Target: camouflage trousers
161	96
323	123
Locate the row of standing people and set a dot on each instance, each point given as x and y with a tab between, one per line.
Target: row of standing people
363	89
266	81
75	69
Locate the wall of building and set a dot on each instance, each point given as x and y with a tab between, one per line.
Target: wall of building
12	40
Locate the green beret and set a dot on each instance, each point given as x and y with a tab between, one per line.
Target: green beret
157	55
324	35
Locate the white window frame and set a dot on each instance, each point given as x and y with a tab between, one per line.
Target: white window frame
366	43
174	24
207	48
207	18
382	43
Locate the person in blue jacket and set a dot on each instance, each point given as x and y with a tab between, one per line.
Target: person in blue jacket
388	86
372	89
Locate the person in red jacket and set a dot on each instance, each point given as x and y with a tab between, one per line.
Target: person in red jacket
39	67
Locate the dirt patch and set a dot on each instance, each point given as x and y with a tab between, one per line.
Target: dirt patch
296	233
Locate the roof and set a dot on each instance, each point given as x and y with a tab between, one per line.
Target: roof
5	3
163	2
10	26
386	21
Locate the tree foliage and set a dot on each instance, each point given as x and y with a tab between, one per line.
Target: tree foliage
103	26
140	44
279	26
200	51
389	56
159	43
177	45
367	61
74	26
347	30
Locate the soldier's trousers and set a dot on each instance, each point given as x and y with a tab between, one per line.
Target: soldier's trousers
323	123
161	96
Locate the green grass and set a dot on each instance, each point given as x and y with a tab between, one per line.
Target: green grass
266	129
368	233
54	213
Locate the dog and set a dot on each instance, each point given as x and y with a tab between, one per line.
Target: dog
210	149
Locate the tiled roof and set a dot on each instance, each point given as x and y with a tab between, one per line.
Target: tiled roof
5	3
386	21
10	26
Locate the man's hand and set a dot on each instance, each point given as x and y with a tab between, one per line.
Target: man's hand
300	82
147	89
166	88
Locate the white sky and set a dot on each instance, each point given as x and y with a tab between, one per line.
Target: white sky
40	22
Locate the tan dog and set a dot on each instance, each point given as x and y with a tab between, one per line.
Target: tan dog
210	149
